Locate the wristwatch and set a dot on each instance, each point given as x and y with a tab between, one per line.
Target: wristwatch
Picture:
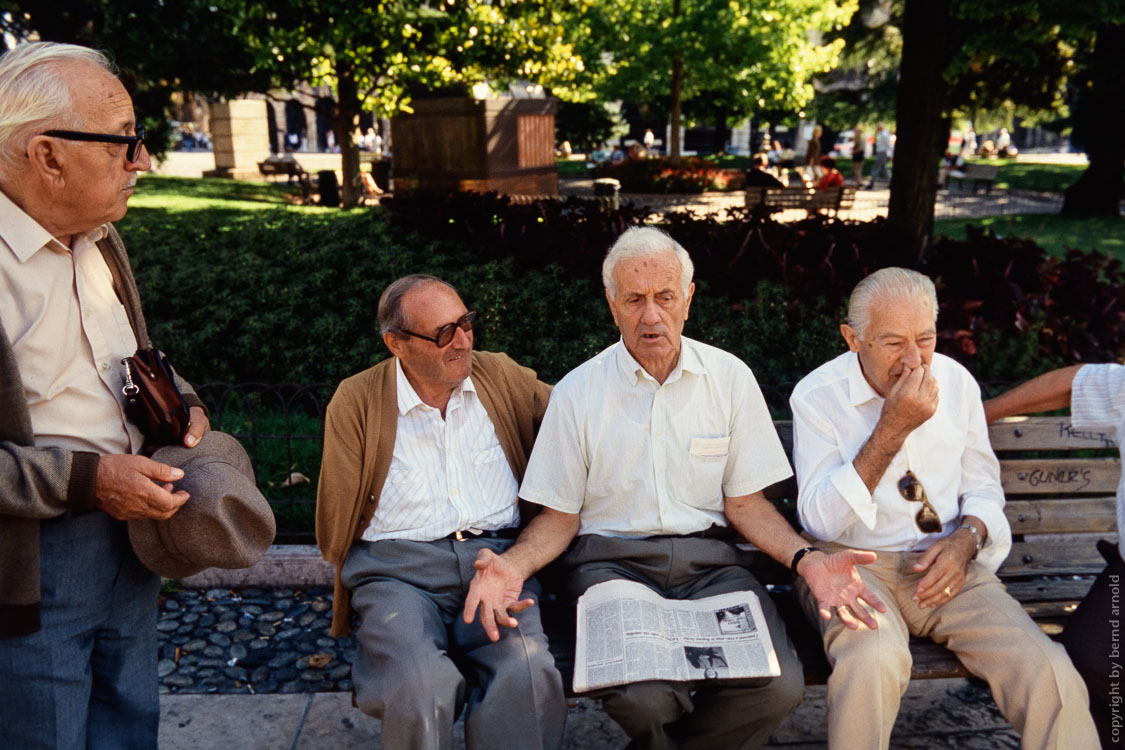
800	554
976	535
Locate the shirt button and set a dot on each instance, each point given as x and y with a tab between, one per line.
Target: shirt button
105	366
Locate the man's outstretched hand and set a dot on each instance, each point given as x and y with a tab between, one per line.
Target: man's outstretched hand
495	589
835	582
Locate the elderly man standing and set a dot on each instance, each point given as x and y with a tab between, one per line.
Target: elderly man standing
1096	397
655	452
422	459
886	462
77	609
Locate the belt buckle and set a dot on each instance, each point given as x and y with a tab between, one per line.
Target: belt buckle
459	535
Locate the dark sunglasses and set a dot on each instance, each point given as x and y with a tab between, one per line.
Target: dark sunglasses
446	332
134	141
911	489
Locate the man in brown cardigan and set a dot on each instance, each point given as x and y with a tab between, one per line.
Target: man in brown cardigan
423	454
77	608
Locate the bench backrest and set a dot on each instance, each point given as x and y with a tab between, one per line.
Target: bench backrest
800	197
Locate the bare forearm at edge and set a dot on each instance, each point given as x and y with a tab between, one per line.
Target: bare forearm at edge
1046	392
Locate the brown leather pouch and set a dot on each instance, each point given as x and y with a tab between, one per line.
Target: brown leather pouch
152	401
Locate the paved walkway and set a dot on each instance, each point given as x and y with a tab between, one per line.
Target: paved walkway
935	715
869	204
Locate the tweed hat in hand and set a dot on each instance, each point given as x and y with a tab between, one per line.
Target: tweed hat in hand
226	523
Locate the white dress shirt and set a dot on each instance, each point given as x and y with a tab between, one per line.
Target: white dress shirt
637	458
1097	401
835	410
446	474
69	333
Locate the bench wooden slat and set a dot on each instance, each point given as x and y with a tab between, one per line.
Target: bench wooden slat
1045	433
1049	589
1061	515
1041	476
1061	554
1050	610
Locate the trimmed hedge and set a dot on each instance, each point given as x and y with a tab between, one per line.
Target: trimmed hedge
283	297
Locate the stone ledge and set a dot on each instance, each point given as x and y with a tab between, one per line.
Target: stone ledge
283	565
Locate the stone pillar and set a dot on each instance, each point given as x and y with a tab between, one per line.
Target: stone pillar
240	138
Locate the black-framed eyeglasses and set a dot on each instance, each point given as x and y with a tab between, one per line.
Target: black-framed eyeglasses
446	332
134	141
912	490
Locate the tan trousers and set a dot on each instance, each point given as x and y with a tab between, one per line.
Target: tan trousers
1032	680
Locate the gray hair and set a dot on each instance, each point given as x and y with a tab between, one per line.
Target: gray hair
902	283
33	92
644	242
391	316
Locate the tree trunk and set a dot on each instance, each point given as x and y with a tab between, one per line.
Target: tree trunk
719	140
677	87
1098	190
677	90
345	123
919	114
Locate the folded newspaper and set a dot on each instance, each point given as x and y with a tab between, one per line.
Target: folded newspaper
629	633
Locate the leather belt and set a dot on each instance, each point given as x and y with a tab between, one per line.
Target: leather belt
464	534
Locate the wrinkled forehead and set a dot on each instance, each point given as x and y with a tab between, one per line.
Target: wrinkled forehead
901	314
648	273
100	100
432	305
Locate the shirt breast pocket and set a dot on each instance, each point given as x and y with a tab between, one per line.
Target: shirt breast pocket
707	461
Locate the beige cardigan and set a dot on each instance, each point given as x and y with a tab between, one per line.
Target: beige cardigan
359	437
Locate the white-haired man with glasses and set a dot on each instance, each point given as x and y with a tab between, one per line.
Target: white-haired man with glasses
77	608
892	455
423	454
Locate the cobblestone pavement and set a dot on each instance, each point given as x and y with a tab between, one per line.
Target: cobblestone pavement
251	641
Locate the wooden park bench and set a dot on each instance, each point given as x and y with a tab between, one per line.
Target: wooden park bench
979	175
1059	485
829	199
286	166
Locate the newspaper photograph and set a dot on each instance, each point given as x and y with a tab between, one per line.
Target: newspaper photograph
629	633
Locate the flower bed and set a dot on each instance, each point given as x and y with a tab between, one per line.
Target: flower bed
691	175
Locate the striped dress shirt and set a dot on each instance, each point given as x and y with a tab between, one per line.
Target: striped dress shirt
445	474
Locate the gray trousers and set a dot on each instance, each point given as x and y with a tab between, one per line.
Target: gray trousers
419	664
708	714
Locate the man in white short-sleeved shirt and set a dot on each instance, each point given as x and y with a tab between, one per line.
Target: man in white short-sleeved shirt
655	454
892	455
1096	397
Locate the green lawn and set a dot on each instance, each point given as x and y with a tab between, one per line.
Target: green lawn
572	168
1055	233
1019	175
179	194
